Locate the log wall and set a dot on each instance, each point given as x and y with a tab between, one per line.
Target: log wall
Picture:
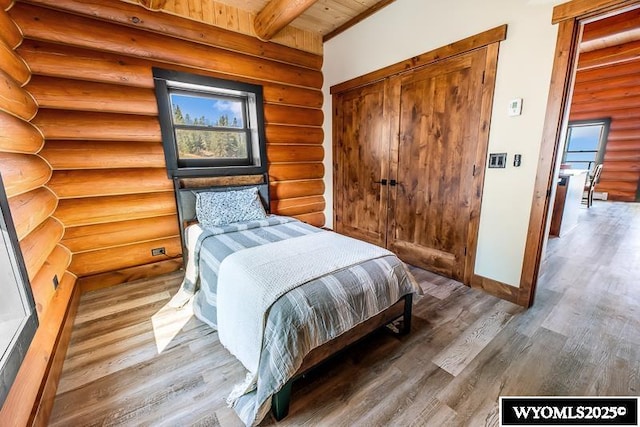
26	176
607	86
92	80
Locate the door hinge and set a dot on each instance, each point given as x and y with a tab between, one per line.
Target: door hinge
483	73
474	171
465	251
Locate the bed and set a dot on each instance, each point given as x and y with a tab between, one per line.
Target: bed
283	295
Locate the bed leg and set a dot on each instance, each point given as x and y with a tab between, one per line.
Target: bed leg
406	317
280	401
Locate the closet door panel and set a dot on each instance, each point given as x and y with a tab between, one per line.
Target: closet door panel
361	150
439	121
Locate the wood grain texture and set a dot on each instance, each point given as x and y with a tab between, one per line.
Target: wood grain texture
14	99
23	172
100	236
37	246
45	24
282	114
581	337
85	155
91	183
98	113
30	209
13	65
315	218
292	189
474	42
298	206
276	15
55	60
23	400
118	277
277	134
61	124
294	153
75	95
177	26
19	136
613	93
9	32
98	210
104	260
42	284
295	171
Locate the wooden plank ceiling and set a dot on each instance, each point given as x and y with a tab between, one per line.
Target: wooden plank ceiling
607	86
303	24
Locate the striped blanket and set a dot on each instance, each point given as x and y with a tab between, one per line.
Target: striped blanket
302	319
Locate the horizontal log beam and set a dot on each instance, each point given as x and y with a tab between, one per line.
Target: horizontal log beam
277	14
292	189
621	156
37	245
42	283
14	99
293	171
283	114
619	176
62	154
617	24
13	65
92	183
61	124
295	153
99	210
18	135
102	236
46	24
187	29
630	134
604	74
298	206
31	209
609	56
615	104
53	60
278	134
77	95
9	32
23	172
316	219
126	275
604	96
631	113
104	260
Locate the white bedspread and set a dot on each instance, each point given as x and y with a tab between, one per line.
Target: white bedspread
250	281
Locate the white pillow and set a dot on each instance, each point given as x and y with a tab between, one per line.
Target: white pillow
216	208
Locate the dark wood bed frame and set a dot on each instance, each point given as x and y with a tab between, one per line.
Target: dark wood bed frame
186	189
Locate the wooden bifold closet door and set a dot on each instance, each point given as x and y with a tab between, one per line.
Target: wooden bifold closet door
409	155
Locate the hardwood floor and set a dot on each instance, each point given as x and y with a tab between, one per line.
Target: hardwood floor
132	361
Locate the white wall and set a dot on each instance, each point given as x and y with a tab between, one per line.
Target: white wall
407	28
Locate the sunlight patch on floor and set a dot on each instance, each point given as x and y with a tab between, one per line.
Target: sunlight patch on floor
168	322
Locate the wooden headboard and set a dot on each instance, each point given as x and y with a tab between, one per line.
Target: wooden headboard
187	188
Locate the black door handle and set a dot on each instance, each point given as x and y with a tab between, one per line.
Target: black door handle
381	182
393	183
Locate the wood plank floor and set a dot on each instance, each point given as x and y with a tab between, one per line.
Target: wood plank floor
132	361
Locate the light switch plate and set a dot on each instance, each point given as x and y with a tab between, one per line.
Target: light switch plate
498	160
515	107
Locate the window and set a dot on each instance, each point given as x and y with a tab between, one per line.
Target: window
210	126
18	320
586	141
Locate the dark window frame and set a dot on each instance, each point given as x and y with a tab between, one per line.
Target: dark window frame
168	82
17	339
602	143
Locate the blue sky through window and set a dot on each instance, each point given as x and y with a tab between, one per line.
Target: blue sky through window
212	109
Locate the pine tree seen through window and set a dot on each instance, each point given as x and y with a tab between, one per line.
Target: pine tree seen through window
210	126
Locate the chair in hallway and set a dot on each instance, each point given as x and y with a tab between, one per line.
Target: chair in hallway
590	185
